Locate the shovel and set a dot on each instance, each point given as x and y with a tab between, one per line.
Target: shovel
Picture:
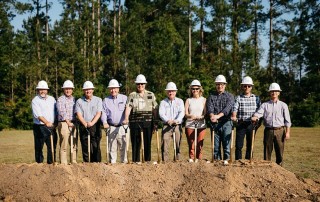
231	145
213	126
71	143
107	130
89	149
51	144
195	139
174	142
252	141
158	147
127	141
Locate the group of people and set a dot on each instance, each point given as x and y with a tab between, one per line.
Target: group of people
137	116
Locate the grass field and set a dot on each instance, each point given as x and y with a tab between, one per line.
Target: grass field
301	154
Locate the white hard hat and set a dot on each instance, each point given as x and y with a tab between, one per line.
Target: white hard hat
42	85
274	87
195	83
113	84
68	84
141	79
220	79
87	85
247	80
171	86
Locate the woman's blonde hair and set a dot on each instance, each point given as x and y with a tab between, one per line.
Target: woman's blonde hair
200	91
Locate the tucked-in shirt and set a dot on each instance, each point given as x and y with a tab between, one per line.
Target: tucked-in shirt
220	103
246	106
45	107
171	110
147	102
275	114
66	108
196	108
113	109
87	108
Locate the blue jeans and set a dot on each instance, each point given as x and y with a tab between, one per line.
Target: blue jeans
222	136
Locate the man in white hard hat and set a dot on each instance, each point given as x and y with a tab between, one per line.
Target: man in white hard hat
66	123
88	110
219	107
44	118
244	107
112	117
143	108
171	112
277	124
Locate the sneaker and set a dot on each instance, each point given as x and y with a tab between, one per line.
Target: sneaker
190	160
225	162
196	161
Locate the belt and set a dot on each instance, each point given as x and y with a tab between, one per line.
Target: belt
111	124
275	128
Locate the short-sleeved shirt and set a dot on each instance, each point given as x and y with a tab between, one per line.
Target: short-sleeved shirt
246	106
275	114
89	109
66	108
147	102
113	109
45	107
171	110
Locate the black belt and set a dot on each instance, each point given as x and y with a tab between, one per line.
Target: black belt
274	128
111	124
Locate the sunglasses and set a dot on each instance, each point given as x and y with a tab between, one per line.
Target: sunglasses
247	86
195	88
140	84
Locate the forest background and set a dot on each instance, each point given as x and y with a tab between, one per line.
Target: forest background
166	40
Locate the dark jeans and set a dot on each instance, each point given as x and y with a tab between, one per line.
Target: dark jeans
42	135
136	143
95	138
243	129
222	136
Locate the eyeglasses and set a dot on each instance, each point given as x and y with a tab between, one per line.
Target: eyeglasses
195	88
219	84
140	84
247	86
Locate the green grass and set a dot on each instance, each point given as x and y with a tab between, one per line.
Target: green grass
301	154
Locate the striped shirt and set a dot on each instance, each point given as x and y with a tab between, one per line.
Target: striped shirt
66	108
246	106
220	103
171	110
89	109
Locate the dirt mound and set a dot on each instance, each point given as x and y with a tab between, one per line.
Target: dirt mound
181	181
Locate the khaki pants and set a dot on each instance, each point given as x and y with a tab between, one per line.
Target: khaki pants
64	137
274	139
118	141
167	135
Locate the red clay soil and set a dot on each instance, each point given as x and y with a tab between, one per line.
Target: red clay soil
180	181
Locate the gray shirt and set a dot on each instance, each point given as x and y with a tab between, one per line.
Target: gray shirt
45	107
275	114
89	109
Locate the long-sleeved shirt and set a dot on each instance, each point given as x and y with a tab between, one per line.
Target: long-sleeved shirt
220	103
66	108
89	109
246	106
45	107
171	110
113	109
275	114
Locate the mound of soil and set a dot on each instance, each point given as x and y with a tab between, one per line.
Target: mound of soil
180	181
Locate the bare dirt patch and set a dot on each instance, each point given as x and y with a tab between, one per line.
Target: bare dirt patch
180	181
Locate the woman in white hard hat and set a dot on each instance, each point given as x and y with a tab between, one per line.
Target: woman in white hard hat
143	108
89	109
195	111
277	122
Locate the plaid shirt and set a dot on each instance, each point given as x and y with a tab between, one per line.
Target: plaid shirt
223	103
66	108
246	106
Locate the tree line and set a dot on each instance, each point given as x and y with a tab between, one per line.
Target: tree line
165	40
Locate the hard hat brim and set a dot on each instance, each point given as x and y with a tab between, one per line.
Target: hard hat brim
113	87
170	89
67	87
41	88
247	84
88	88
140	82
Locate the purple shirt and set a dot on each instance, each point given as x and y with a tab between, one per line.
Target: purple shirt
66	108
113	109
275	114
